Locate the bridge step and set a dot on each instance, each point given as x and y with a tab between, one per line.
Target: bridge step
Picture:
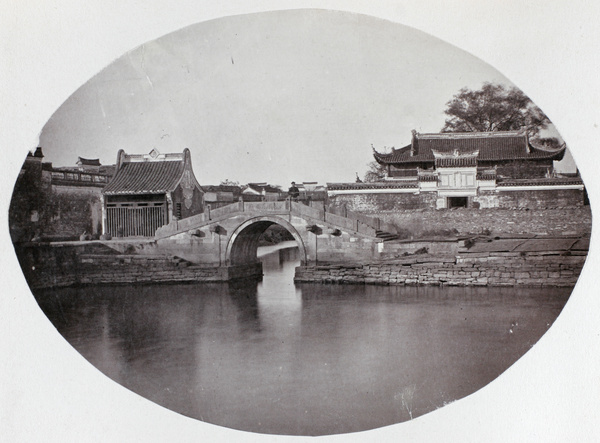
386	236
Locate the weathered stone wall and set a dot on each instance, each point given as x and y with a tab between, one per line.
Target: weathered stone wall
483	269
574	220
59	212
26	215
73	211
374	203
559	198
59	266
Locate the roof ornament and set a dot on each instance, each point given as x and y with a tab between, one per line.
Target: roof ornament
154	153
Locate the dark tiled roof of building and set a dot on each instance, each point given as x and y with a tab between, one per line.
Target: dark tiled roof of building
492	146
222	188
540	182
373	185
89	162
151	177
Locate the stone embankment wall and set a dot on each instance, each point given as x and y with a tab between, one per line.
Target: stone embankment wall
46	266
559	221
481	269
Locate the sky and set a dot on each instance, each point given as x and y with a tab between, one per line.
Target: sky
274	97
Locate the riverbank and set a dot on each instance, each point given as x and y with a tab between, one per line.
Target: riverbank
532	262
53	265
526	261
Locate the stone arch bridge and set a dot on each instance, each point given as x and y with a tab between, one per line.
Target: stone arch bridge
228	236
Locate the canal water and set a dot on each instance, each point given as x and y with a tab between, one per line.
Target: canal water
303	359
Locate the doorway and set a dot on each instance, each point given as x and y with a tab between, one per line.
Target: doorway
458	202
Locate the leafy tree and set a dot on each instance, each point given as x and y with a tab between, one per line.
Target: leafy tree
494	107
548	142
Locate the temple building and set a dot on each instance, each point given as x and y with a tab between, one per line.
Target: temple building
474	170
149	191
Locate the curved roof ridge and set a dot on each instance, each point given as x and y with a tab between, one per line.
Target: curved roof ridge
515	133
492	146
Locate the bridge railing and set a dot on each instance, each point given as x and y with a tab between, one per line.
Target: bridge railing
224	210
374	222
308	211
182	225
194	221
335	219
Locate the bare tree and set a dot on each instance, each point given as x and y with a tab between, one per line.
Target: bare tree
375	172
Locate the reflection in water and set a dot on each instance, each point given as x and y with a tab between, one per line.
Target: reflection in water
275	357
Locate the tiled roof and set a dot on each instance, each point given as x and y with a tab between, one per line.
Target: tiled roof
540	182
492	146
373	185
152	177
88	161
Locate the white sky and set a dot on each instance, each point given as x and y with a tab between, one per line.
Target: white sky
280	96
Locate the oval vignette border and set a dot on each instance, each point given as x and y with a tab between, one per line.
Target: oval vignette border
579	155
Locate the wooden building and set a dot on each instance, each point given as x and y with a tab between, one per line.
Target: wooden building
509	154
472	169
149	191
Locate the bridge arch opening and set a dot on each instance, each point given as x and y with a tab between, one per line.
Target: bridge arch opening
243	245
